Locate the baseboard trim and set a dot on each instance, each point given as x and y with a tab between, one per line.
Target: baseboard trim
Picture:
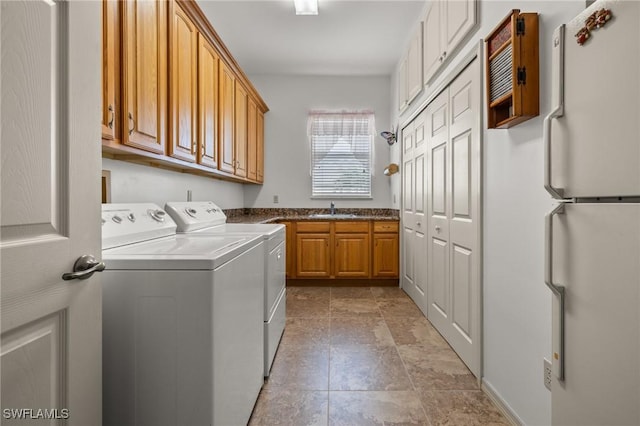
502	406
314	282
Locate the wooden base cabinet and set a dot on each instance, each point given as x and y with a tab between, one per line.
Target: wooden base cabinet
385	250
342	249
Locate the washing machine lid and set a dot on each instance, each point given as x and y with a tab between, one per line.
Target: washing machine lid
267	230
180	252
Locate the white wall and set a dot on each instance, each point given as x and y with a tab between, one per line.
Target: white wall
516	304
133	183
290	98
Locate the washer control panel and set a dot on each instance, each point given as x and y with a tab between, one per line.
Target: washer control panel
194	215
131	223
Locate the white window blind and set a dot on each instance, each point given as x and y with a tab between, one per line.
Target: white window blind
341	154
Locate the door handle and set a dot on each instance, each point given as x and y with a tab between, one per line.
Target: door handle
557	345
132	122
113	115
437	228
84	267
558	111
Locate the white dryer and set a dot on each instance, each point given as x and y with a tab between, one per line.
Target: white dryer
182	322
198	217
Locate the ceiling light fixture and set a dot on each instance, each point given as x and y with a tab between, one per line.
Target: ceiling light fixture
306	7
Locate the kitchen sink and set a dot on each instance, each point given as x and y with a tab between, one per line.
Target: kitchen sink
333	216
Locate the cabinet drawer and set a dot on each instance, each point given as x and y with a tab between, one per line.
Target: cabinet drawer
348	227
313	226
385	226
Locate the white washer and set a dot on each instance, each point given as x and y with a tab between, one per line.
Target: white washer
198	217
182	322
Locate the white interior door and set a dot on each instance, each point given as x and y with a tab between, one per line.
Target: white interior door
596	257
408	193
50	114
453	125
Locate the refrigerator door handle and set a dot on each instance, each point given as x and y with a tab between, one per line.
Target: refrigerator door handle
558	291
557	82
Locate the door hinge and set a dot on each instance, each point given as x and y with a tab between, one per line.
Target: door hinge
520	26
522	75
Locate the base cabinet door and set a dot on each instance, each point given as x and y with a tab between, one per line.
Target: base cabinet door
313	255
385	255
351	255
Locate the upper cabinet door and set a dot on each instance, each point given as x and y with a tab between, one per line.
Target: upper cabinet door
260	148
414	65
432	54
227	110
183	87
459	18
252	140
110	67
241	131
402	85
208	65
145	75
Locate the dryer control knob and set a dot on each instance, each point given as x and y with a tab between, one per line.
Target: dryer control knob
157	215
117	219
191	211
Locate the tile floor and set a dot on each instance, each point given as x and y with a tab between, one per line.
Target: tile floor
366	356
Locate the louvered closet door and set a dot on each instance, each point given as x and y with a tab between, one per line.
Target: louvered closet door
454	210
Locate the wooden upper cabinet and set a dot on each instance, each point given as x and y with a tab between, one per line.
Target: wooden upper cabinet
184	60
144	69
110	69
252	140
227	112
260	146
240	131
208	65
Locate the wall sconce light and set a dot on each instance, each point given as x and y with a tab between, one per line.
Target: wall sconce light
390	137
391	169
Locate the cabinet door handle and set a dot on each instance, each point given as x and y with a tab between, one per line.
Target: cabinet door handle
444	54
113	116
132	123
194	147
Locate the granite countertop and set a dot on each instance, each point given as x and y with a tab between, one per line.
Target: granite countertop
279	215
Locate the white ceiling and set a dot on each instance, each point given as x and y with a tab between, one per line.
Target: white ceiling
347	37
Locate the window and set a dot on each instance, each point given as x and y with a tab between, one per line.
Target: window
341	154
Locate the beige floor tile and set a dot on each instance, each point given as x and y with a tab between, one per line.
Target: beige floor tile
298	367
351	293
305	332
399	307
290	407
360	331
375	408
308	302
414	331
464	408
367	367
388	293
354	307
438	368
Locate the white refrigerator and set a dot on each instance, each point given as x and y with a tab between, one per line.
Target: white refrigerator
592	167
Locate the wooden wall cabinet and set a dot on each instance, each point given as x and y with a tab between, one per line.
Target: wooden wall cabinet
512	60
208	97
184	87
240	131
144	69
197	113
110	69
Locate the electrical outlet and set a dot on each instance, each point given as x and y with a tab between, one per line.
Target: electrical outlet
547	373
276	199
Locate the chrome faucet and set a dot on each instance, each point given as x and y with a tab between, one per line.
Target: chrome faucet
332	208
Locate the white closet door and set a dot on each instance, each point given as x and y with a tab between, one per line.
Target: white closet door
408	219
454	212
50	109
